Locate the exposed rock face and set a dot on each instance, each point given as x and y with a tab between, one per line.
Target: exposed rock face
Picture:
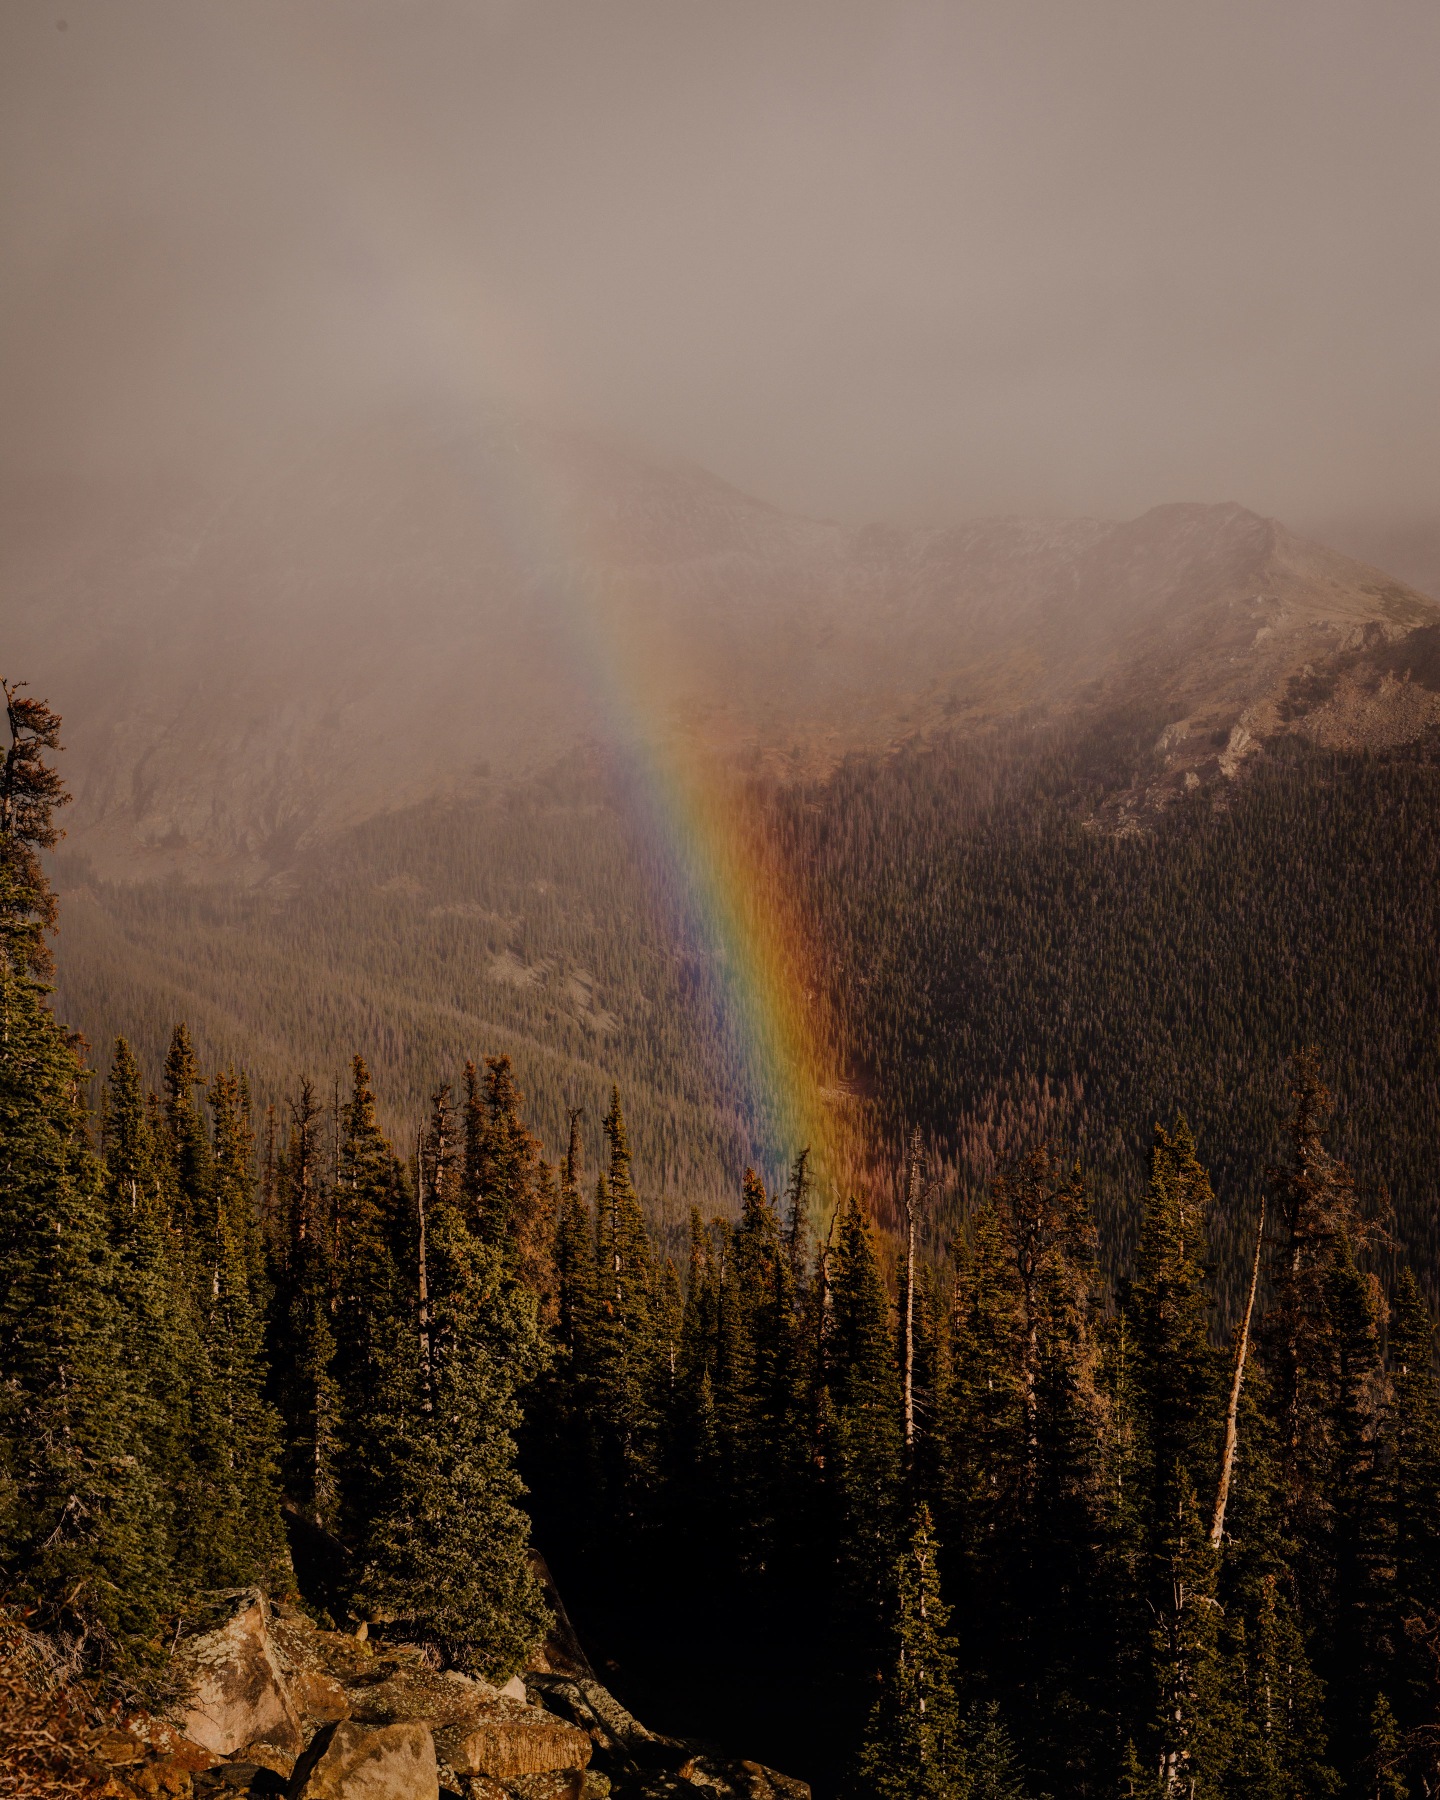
368	1762
237	1692
504	1740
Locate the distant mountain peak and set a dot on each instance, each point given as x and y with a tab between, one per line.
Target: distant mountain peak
435	595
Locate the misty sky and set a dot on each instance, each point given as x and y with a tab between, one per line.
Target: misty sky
886	259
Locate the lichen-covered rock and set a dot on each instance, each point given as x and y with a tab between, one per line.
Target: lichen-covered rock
301	1646
504	1740
350	1761
394	1692
318	1698
235	1689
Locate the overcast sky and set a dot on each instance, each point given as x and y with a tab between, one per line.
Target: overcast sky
862	259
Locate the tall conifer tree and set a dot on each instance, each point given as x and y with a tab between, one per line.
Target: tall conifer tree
82	1537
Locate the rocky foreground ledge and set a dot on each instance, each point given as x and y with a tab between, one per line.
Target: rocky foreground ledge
275	1706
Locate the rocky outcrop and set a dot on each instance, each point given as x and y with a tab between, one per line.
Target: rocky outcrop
505	1740
269	1704
235	1691
349	1761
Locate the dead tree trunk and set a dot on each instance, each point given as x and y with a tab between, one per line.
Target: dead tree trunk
425	1371
1232	1433
912	1196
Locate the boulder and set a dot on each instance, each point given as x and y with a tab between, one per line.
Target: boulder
318	1698
397	1691
350	1761
235	1691
301	1646
504	1740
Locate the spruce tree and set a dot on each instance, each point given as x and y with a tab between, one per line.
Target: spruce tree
864	1386
1171	1405
622	1351
1414	1457
306	1376
81	1533
158	1341
913	1748
574	1247
764	1285
1323	1335
375	1305
446	1547
191	1164
235	1344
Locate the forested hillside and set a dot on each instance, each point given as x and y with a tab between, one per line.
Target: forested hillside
1010	967
1004	965
536	918
986	1523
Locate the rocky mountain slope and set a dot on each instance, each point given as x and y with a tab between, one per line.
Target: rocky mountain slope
426	605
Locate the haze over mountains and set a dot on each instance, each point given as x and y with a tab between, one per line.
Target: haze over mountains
426	606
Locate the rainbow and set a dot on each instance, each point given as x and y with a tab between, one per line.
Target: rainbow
466	350
696	812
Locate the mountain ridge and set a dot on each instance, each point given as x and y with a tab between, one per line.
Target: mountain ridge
419	609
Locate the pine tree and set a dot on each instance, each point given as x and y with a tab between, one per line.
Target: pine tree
864	1386
306	1384
622	1350
235	1344
913	1747
1414	1455
81	1533
447	1546
375	1306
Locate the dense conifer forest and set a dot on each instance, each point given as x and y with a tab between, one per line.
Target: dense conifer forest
971	1503
996	962
1010	965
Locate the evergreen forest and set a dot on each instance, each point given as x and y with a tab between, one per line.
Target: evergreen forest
1077	1455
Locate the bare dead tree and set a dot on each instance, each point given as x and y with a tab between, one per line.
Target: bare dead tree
1232	1430
912	1203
